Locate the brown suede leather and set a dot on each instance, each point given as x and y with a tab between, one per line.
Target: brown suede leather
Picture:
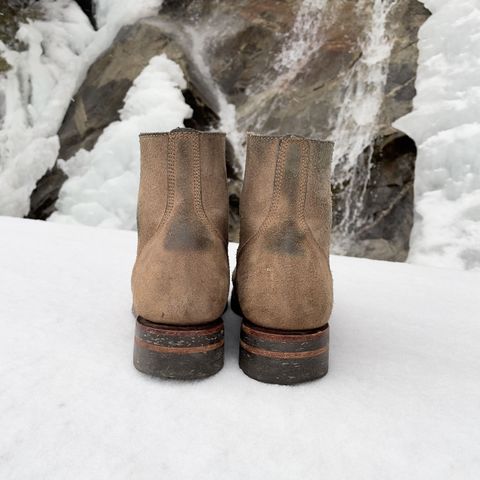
283	277
181	272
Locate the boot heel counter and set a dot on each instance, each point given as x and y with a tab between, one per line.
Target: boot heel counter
278	289
180	286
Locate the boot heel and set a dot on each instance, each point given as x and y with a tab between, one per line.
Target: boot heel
284	357
179	352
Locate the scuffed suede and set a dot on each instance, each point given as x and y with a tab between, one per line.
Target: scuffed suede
181	274
283	279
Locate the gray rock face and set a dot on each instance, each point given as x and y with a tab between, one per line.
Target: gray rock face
277	92
98	101
287	69
387	214
101	95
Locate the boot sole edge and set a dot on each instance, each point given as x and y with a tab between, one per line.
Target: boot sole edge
178	352
283	357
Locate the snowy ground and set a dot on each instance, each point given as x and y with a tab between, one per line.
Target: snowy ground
401	400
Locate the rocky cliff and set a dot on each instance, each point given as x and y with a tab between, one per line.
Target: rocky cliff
338	69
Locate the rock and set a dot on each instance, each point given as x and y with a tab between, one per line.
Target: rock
98	101
304	95
387	208
100	97
388	204
297	98
88	7
287	71
405	21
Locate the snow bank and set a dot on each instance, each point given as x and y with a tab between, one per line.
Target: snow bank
102	186
401	400
445	124
41	83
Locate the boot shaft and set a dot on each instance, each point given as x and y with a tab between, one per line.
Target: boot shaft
286	191
283	278
182	175
180	275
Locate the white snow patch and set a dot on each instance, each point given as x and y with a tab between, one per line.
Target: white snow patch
36	93
37	90
102	184
401	399
446	128
114	14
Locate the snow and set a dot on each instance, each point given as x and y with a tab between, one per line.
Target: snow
36	92
446	128
38	88
401	400
103	183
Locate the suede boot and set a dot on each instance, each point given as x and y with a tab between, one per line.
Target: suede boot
180	280
282	283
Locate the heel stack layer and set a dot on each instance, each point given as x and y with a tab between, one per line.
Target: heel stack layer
282	356
179	352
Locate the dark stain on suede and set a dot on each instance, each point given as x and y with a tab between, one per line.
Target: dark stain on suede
286	238
187	232
291	180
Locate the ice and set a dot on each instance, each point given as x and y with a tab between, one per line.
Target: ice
198	39
116	13
102	186
401	399
38	88
18	179
302	41
356	123
446	128
36	92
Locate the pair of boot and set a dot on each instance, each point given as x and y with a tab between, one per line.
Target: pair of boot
282	285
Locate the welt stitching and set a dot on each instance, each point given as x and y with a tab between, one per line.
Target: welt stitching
309	234
295	137
304	172
278	182
196	175
311	237
170	193
171	161
197	192
161	134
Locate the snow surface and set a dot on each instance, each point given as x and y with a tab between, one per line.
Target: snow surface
401	400
38	88
103	183
445	125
